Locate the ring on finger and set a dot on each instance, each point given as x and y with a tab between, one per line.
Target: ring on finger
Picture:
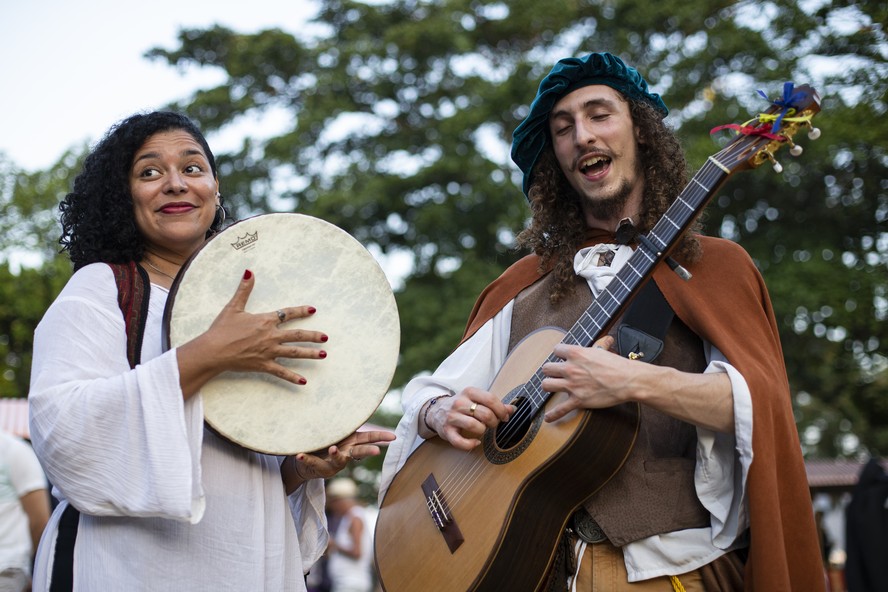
472	409
281	315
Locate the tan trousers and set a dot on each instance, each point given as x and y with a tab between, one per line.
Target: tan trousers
601	569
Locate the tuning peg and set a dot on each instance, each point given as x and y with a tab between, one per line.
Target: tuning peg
778	168
678	269
795	149
814	133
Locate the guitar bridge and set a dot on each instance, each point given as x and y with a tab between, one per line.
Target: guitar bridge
440	513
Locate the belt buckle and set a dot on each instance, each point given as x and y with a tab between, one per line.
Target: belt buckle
587	528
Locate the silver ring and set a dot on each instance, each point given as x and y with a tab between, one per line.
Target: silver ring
281	316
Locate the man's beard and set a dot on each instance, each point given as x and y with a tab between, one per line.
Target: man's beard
609	206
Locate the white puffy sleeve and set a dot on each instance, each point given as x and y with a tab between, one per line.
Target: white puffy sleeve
474	363
113	441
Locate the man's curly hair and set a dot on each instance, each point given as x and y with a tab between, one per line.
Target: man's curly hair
97	217
558	227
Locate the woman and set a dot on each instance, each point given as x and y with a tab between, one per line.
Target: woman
163	503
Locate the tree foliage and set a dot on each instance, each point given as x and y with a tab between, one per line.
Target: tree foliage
399	116
28	224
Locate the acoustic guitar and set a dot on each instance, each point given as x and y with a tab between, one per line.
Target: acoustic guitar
491	519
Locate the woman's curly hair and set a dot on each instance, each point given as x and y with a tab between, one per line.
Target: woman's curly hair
98	222
558	226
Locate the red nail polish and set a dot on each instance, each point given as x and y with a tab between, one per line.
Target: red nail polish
312	310
302	381
324	338
322	354
248	274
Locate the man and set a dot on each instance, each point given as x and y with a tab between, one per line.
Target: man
713	495
24	511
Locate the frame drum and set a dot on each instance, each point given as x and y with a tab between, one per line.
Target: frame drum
297	260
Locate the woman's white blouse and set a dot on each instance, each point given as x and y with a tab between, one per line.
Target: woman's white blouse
165	504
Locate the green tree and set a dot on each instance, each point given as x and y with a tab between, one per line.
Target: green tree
400	115
28	224
24	297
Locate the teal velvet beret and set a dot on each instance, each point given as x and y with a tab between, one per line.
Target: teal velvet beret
569	74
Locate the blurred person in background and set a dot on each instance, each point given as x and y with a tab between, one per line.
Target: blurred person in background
350	552
24	511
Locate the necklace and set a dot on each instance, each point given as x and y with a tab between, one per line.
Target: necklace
155	268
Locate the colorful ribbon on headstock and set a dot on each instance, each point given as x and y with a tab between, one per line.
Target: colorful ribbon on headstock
788	105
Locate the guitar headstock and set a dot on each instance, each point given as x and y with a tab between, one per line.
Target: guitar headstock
763	136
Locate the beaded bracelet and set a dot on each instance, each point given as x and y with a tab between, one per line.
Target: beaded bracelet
425	415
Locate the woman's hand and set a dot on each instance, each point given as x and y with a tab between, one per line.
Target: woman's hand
241	341
299	468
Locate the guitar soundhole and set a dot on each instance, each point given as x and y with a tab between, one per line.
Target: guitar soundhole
508	440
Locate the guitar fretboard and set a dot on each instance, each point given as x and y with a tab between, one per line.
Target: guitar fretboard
611	302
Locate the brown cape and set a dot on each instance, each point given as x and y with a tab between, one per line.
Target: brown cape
726	303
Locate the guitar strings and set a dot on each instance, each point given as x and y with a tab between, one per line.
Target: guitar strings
459	480
467	476
621	288
456	485
533	388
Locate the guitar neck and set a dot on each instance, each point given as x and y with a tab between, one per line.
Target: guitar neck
597	320
755	145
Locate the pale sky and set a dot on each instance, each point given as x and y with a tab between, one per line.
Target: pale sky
70	70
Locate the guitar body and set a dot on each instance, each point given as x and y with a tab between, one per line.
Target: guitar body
508	505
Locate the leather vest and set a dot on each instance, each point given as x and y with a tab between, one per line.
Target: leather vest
654	492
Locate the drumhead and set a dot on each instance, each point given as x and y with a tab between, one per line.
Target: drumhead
297	260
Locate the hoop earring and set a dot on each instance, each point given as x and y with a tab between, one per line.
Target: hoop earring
220	216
